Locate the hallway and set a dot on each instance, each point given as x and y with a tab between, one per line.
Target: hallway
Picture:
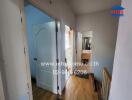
79	89
76	89
50	40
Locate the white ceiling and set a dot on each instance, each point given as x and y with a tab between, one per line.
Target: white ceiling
88	6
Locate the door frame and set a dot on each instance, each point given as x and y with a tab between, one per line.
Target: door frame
2	95
23	21
70	29
79	47
25	42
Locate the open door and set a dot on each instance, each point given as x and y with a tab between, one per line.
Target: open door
79	47
45	49
68	51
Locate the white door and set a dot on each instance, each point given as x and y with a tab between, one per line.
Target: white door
45	47
68	51
79	47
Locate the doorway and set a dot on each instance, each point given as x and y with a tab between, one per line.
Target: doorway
42	37
68	51
84	54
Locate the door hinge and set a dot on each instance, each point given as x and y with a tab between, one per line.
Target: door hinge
57	87
21	19
56	28
65	60
25	51
21	15
28	85
57	60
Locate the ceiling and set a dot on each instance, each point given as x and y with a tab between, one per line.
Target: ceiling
80	7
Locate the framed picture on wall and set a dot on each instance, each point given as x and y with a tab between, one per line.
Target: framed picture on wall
86	45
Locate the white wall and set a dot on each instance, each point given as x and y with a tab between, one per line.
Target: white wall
58	9
104	28
13	50
121	86
88	34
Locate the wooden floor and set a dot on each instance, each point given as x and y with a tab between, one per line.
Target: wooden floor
41	94
76	89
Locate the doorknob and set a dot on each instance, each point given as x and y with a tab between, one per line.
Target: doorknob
65	60
35	59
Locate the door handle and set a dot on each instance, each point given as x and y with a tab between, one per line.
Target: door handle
35	59
65	60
